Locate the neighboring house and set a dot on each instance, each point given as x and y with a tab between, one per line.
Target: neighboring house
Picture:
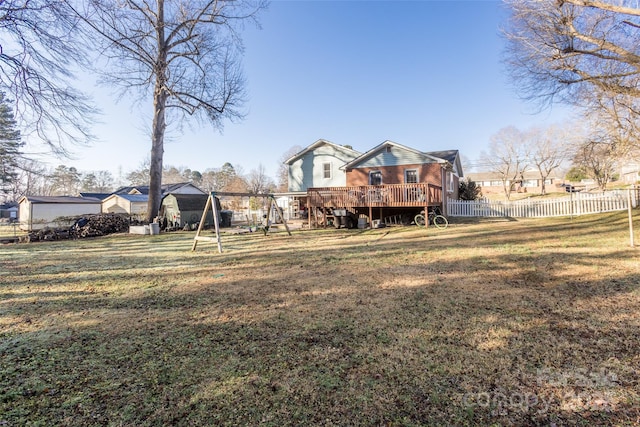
630	173
39	212
181	209
179	188
134	205
393	163
9	211
491	183
319	165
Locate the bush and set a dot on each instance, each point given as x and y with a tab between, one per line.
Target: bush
469	190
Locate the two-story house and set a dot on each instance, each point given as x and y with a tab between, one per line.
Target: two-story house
392	178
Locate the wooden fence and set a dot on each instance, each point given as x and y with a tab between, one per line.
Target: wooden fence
570	205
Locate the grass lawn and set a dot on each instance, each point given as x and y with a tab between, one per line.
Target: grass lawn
533	322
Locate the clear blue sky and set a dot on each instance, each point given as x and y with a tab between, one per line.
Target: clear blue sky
426	74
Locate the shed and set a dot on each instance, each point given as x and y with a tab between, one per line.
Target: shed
37	212
134	205
181	209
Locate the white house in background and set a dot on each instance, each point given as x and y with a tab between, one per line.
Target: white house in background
319	165
630	173
37	212
134	205
491	182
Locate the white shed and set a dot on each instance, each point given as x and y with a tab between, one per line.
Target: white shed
134	205
37	212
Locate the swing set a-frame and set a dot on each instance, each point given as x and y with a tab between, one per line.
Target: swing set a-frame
273	205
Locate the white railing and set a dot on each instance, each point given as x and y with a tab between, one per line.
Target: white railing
570	205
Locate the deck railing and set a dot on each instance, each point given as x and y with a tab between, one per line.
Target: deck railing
388	195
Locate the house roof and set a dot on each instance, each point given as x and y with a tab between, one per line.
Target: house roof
60	199
450	154
318	143
100	196
144	189
192	202
134	198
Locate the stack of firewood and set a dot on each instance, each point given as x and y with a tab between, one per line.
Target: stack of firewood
86	226
44	235
99	225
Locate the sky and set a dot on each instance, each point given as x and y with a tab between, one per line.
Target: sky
425	74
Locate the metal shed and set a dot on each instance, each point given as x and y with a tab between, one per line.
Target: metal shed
37	212
134	205
181	209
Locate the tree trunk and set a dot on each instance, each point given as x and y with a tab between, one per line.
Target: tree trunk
157	152
159	120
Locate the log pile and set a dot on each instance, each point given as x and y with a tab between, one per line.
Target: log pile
86	226
99	225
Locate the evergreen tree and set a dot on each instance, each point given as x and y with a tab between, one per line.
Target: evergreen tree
10	143
469	190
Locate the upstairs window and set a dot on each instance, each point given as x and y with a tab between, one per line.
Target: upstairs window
326	170
375	178
411	176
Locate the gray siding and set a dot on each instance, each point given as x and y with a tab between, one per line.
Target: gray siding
307	171
396	157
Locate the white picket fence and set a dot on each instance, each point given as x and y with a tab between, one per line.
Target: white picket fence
570	205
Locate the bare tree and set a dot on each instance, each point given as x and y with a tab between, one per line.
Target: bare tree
598	160
582	52
38	52
183	53
97	182
29	180
550	148
283	169
139	176
259	182
507	157
65	181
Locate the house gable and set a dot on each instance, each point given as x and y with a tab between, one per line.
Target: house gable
390	153
319	165
179	188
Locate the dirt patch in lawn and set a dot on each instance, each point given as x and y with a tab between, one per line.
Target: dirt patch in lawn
512	323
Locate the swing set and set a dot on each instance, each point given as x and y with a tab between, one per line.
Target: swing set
273	205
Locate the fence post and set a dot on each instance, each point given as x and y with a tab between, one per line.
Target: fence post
630	218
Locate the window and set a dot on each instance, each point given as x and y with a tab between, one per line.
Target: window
375	178
410	176
530	183
326	170
450	182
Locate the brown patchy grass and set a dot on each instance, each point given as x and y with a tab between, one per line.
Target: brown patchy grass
506	323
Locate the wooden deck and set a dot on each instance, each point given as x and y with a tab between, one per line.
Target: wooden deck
376	196
361	200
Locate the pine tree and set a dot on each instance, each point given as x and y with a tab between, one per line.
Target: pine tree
10	143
